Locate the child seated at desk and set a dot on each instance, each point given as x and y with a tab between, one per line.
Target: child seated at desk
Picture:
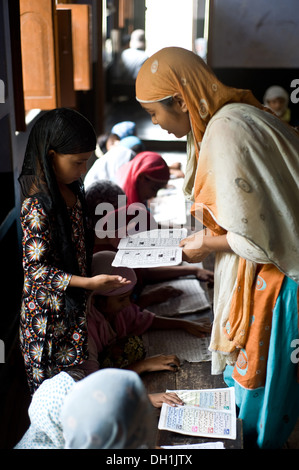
107	192
115	323
109	409
142	177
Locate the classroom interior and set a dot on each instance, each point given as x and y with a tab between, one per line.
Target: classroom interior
248	43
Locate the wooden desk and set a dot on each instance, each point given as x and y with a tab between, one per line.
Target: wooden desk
189	376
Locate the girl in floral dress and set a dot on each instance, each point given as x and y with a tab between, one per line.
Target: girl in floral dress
57	245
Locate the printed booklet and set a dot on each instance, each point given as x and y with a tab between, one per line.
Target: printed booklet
150	249
208	413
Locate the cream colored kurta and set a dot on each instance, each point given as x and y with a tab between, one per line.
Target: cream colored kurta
243	173
247	156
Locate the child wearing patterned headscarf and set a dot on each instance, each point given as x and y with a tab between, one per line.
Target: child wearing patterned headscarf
242	175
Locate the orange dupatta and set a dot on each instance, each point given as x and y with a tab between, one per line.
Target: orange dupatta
176	70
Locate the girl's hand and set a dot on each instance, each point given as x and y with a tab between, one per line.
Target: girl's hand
160	362
161	294
199	329
171	398
205	275
105	283
158	295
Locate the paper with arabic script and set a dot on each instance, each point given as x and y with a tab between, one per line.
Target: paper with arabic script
192	299
204	445
191	348
208	413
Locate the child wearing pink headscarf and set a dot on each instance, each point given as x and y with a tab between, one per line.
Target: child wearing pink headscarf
142	177
115	324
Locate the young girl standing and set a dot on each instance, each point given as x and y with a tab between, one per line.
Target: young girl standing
57	245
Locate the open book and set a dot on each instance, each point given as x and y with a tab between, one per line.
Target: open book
192	299
207	412
190	347
150	249
204	445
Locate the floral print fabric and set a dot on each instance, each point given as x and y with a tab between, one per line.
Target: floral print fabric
48	344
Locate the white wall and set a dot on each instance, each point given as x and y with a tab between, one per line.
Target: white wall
168	23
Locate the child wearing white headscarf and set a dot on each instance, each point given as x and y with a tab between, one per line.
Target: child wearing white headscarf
277	99
106	410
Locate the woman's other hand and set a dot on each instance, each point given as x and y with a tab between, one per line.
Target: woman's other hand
198	246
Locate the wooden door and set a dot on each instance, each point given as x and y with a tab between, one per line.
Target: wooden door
39	58
81	37
66	59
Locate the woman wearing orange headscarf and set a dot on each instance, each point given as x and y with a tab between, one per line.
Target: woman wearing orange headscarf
242	175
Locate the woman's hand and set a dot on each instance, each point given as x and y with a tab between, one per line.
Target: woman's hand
194	247
171	398
198	246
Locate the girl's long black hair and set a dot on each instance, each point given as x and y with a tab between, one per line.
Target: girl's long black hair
65	131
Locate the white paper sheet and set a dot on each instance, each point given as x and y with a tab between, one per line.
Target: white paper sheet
170	205
148	258
151	249
207	413
169	208
204	445
193	298
191	348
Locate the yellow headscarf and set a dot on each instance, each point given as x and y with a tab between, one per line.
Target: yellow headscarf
247	170
177	70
